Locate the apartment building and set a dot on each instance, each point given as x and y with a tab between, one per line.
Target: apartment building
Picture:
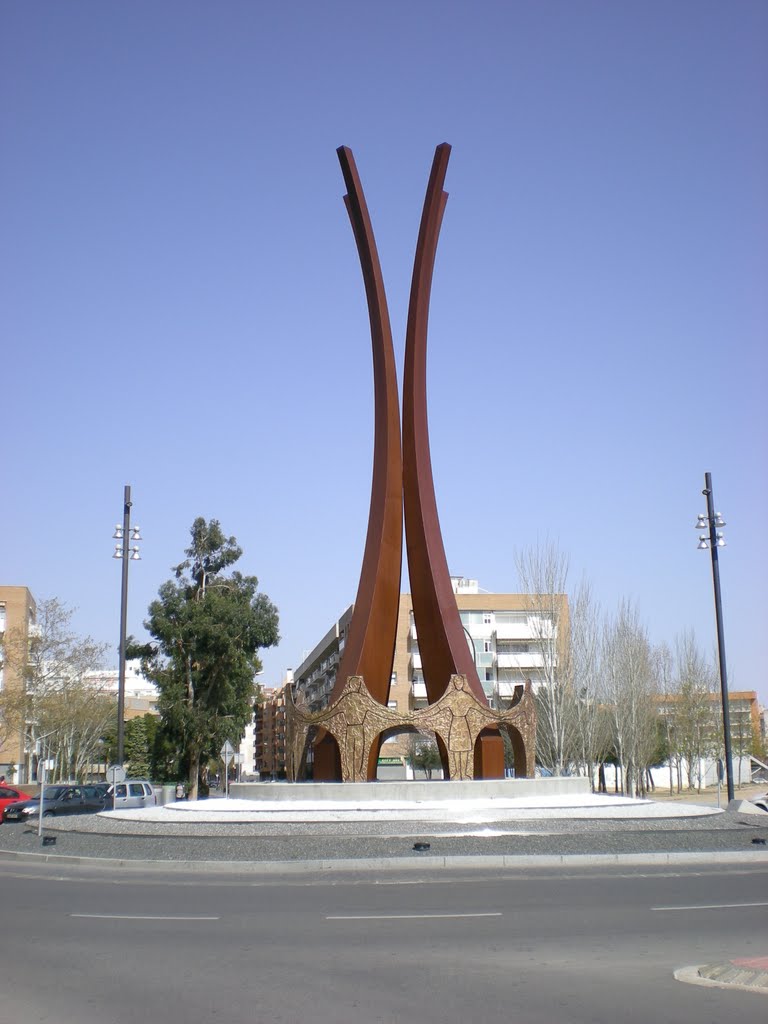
141	695
316	675
17	622
747	718
269	731
513	638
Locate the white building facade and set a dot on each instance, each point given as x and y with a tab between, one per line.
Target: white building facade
513	638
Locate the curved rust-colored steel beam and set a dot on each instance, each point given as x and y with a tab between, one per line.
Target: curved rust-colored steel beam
442	641
370	646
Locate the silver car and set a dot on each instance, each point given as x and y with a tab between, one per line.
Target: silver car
131	793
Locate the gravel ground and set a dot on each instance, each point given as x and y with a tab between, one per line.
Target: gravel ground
94	836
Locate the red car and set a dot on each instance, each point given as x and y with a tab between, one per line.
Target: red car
9	795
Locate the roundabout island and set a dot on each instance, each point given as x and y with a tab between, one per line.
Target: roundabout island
286	831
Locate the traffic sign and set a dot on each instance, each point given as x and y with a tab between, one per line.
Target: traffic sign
116	773
227	751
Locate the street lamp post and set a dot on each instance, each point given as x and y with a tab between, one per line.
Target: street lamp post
713	539
124	534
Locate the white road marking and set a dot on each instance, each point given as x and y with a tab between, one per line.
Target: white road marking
714	906
146	917
401	917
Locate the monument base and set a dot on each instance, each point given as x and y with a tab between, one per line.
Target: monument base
408	792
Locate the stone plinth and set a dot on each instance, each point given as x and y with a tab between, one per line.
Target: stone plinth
407	791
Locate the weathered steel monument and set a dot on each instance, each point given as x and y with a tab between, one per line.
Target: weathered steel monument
351	729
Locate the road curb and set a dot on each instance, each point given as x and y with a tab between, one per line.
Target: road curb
417	862
725	975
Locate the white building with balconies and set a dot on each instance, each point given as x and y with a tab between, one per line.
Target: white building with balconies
513	638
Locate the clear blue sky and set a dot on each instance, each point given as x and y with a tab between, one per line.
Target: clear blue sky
182	307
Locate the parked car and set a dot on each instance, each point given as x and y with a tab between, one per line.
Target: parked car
9	795
131	793
57	800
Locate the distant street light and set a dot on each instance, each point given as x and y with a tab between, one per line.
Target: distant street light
713	539
124	534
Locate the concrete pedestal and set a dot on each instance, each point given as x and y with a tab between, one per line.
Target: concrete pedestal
409	792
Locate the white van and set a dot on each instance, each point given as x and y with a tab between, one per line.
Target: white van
131	793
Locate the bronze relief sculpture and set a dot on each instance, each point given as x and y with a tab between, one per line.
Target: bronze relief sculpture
356	722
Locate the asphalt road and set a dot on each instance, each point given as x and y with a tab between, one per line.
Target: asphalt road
532	947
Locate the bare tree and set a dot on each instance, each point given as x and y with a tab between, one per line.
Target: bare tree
694	708
592	723
629	686
61	710
543	576
663	667
75	718
743	738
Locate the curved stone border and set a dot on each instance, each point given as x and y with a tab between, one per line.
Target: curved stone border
725	974
418	862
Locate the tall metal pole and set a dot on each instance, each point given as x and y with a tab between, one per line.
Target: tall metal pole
123	622
707	492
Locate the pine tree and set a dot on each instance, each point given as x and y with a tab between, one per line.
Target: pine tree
208	626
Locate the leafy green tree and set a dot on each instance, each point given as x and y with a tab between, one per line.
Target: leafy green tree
139	737
423	754
208	625
165	762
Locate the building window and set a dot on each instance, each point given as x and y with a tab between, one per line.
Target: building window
488	646
487	618
489	675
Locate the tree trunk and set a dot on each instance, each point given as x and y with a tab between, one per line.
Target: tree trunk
194	771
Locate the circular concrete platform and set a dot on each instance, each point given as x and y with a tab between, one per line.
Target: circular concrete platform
467	810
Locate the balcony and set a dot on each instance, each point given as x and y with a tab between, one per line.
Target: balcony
514	631
525	660
480	630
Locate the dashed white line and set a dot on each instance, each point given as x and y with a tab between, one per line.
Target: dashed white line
714	906
146	917
402	917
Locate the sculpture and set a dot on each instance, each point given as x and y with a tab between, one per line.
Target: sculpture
356	721
402	480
